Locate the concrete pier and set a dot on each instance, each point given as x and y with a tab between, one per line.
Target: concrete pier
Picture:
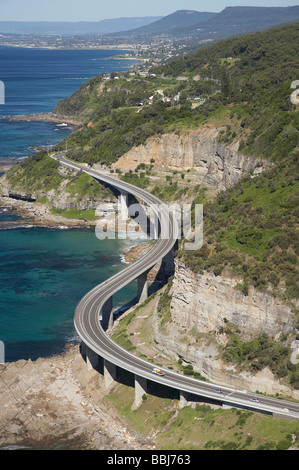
109	373
142	290
107	315
140	389
183	399
92	359
123	205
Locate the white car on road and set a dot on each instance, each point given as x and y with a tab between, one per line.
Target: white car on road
158	371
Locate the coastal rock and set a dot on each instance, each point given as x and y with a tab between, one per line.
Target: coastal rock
201	306
44	117
207	302
30	206
55	403
216	165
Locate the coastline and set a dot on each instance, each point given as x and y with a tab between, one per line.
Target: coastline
56	403
37	215
43	117
6	164
117	47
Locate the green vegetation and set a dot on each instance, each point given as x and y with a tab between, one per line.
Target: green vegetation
82	185
254	88
202	428
188	370
251	231
37	173
75	213
259	353
136	179
40	173
121	336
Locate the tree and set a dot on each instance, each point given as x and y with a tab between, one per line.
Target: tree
225	84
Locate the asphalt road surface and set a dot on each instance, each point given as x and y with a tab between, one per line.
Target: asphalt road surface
88	326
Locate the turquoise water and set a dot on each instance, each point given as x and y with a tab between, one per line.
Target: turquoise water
43	275
45	272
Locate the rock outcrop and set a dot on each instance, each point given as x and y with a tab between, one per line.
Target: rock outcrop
201	306
218	166
207	302
58	198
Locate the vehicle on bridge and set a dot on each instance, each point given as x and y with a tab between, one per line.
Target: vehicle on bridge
158	371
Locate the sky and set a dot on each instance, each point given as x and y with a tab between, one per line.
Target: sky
96	10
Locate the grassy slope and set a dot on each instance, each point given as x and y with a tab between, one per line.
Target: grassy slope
40	174
202	428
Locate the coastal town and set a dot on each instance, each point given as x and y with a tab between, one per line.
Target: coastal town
144	54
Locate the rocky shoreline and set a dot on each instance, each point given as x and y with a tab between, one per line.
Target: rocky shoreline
47	117
56	403
6	164
37	214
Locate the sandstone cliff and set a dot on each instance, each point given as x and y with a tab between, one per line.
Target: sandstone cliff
218	166
207	302
201	306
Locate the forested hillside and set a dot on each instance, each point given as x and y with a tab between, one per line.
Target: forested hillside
242	86
245	82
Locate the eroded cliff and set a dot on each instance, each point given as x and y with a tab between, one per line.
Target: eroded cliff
201	308
217	165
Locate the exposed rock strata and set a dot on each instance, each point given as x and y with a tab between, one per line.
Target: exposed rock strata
206	302
200	307
218	166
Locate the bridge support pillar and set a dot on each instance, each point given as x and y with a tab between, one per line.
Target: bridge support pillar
142	287
140	389
109	373
183	399
123	205
92	359
107	315
154	227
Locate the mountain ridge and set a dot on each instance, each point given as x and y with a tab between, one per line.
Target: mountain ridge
171	22
231	21
105	26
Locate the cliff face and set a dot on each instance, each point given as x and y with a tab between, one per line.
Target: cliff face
217	166
207	302
201	306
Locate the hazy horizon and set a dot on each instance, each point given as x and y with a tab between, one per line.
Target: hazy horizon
93	10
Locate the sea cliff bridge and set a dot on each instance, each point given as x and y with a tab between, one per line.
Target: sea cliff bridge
97	344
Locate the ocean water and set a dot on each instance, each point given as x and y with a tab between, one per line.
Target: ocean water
44	272
35	80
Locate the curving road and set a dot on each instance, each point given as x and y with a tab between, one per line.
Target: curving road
89	329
